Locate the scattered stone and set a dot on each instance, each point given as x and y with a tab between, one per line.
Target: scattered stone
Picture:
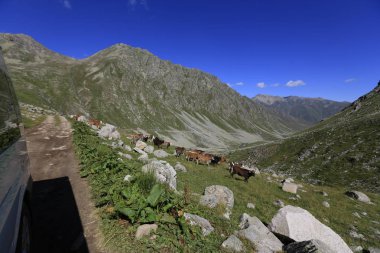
145	230
274	175
288	180
127	156
324	194
234	244
364	213
160	153
289	187
356	248
196	220
218	195
300	225
141	145
163	172
359	196
279	203
356	214
127	148
180	167
373	250
250	206
258	234
356	235
128	178
109	132
149	149
311	246
298	196
144	158
140	151
326	204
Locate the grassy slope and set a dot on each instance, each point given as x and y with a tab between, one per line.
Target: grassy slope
342	150
119	234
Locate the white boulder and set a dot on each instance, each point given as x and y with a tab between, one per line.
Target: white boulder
109	132
160	153
141	145
217	194
289	187
359	196
299	225
196	220
149	149
163	172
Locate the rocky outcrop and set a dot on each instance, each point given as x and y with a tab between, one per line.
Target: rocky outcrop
359	196
299	225
196	220
215	195
233	244
163	172
258	235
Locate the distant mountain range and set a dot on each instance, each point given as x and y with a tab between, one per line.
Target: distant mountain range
341	150
308	111
134	89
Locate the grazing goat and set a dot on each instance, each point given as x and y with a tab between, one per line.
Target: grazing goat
95	122
205	158
191	155
237	169
157	142
166	144
179	151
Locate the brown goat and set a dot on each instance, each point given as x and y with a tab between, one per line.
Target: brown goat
237	169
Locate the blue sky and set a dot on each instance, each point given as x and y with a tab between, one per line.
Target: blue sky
313	48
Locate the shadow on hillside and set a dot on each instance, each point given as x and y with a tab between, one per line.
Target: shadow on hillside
57	226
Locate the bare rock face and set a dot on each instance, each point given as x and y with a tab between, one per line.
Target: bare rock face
258	234
233	244
163	172
299	225
218	195
359	196
196	220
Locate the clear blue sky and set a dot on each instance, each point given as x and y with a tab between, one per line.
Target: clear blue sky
322	48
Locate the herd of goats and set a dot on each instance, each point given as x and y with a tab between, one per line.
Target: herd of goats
196	155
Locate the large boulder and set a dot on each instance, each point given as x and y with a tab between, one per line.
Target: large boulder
141	145
196	220
215	195
233	244
109	132
163	172
258	235
299	225
311	246
359	196
160	153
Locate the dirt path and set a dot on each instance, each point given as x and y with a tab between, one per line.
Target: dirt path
64	218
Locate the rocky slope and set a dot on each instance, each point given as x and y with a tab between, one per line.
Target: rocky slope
307	111
342	150
132	88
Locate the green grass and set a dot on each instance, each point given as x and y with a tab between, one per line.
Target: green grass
29	123
119	232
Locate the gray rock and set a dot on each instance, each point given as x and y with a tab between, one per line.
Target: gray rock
356	248
160	153
251	206
127	148
144	158
109	132
145	230
233	244
289	187
299	225
324	194
356	214
311	246
141	145
127	156
373	250
258	235
140	151
149	149
326	204
356	235
180	167
218	195
359	196
196	220
82	119
128	178
163	172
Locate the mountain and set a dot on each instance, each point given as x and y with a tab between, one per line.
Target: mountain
341	150
308	111
134	89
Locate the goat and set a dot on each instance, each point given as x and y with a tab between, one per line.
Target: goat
237	169
191	155
157	142
179	151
